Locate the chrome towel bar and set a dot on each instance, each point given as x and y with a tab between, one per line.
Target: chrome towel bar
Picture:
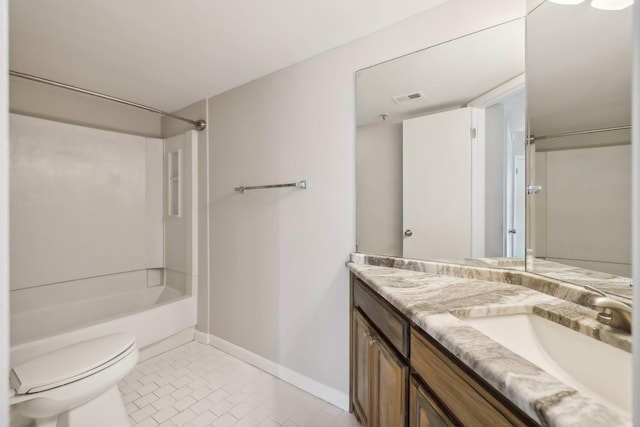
299	184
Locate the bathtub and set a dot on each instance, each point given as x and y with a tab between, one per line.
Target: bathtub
43	319
90	255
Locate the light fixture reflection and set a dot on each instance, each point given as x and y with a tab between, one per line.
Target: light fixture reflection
611	4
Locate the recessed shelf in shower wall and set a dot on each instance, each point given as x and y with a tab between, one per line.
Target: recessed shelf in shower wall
175	173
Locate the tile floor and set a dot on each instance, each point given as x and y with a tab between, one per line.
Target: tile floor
199	385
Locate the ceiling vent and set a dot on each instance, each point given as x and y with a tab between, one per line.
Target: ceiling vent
408	97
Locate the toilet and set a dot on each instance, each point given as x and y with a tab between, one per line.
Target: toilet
76	385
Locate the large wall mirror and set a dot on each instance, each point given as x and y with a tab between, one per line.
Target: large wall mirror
440	151
578	63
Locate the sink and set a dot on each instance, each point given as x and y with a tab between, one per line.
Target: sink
593	368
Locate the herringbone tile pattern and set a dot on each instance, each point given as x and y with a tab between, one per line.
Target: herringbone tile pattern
198	385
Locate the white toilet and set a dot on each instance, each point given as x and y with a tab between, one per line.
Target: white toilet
76	385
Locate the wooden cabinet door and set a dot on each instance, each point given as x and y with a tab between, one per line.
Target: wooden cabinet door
389	382
423	410
361	368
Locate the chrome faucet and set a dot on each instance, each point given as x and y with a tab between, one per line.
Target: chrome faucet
612	312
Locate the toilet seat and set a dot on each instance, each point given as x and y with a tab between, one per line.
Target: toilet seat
71	363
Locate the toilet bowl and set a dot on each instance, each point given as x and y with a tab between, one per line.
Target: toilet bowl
76	385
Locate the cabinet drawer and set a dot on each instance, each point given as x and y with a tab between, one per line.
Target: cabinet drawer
469	401
423	409
391	324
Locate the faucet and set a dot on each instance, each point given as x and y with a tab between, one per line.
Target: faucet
612	312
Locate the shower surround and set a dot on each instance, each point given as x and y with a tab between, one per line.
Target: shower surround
103	235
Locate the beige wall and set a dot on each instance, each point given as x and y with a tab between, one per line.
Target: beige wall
279	287
379	188
538	216
48	102
586	220
494	185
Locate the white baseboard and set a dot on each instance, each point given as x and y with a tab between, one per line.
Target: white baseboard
201	337
322	391
167	344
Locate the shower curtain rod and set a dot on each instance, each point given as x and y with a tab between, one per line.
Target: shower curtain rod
581	132
198	124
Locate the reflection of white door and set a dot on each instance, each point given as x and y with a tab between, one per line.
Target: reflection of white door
516	232
437	185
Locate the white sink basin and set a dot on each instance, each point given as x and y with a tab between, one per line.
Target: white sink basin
594	368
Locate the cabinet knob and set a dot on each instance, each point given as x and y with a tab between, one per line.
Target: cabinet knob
408	233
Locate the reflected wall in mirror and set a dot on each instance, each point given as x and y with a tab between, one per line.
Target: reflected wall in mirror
440	151
578	66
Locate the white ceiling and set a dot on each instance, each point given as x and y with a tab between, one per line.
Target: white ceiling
449	75
170	53
578	68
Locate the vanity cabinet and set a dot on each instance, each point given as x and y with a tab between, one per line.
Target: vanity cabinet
401	376
379	372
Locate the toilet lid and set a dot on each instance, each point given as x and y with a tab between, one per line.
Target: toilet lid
71	363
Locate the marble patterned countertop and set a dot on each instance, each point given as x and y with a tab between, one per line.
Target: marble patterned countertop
609	283
435	294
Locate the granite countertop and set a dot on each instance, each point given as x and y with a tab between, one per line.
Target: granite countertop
609	283
433	294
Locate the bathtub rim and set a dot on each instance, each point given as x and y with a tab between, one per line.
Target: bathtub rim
150	326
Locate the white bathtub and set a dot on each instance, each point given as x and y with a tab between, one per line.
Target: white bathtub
153	314
90	255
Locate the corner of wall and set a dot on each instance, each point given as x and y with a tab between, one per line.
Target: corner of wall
170	128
